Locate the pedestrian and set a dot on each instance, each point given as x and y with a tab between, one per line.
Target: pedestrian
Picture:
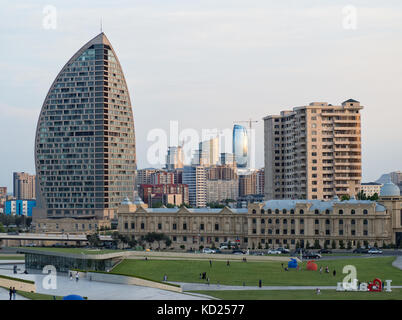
210	263
320	269
318	291
282	265
200	276
208	280
77	277
14	293
334	272
259	283
326	269
71	275
228	263
11	293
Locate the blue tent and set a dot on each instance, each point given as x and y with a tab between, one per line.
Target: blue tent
73	297
292	263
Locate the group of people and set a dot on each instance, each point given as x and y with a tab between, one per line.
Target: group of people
12	293
77	276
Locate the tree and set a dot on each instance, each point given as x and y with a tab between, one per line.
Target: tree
358	245
365	243
374	197
297	244
325	244
157	204
185	205
333	245
259	246
93	240
182	246
361	195
2	229
345	197
317	244
341	244
168	242
349	245
307	245
170	205
266	245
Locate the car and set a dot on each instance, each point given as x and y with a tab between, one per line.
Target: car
274	251
311	255
208	250
324	251
361	250
223	247
237	252
375	251
284	250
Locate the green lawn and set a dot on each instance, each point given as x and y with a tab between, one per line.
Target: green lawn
270	272
396	294
72	250
5	257
38	296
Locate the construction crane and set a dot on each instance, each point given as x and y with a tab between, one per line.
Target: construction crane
250	122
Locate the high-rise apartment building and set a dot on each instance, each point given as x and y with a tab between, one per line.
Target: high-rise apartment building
208	152
3	192
195	178
85	142
24	185
313	152
222	183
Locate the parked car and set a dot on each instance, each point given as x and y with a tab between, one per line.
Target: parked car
274	251
324	251
223	247
375	251
311	255
283	250
208	250
361	250
237	252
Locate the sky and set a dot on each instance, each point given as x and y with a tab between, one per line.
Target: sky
206	64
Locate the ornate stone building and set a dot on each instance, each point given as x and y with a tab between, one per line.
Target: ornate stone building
273	223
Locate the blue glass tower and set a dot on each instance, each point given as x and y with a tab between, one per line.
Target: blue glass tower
240	145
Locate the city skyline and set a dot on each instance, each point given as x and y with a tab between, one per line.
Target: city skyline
244	84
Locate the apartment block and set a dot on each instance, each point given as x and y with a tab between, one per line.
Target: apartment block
24	185
313	152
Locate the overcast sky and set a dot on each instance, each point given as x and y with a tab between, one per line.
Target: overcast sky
209	63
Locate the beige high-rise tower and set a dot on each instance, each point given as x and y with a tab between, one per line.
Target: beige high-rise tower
313	152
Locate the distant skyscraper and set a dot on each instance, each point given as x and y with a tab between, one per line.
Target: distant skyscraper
240	145
23	185
85	141
174	158
209	152
195	178
228	158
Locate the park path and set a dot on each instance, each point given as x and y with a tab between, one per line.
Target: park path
4	295
398	263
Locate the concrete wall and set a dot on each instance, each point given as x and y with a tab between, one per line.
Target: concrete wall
114	278
19	285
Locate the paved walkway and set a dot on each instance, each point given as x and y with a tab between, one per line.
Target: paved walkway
398	262
101	290
216	287
4	295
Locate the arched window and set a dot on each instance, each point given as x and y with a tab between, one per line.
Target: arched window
316	211
340	211
253	211
292	211
277	221
284	211
353	221
277	211
285	221
301	211
269	211
269	220
327	211
365	222
262	211
365	211
352	211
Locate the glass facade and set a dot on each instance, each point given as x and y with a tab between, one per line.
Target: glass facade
85	141
240	145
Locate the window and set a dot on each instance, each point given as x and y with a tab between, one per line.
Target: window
340	221
262	231
184	238
365	211
184	226
365	222
142	226
132	225
254	220
277	211
277	231
262	221
316	211
254	231
327	221
284	211
262	211
269	231
353	232
365	232
341	232
126	225
327	211
269	211
316	231
269	220
159	226
216	226
352	211
316	221
277	221
340	211
174	226
353	222
301	211
201	226
253	211
292	211
301	221
327	232
301	231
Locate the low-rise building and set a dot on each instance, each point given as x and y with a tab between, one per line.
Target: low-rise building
370	188
19	207
274	223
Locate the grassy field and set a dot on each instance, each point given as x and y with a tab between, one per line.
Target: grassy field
396	294
271	273
72	250
10	257
38	296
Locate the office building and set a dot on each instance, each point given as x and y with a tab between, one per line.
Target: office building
313	152
174	194
174	158
240	145
195	178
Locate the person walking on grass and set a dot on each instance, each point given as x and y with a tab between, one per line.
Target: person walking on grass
11	293
210	263
14	293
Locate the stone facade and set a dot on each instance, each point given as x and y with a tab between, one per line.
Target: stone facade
271	223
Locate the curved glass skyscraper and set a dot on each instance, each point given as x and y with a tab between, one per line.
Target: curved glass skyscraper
240	145
85	142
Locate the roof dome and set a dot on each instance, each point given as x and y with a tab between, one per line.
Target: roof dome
389	190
